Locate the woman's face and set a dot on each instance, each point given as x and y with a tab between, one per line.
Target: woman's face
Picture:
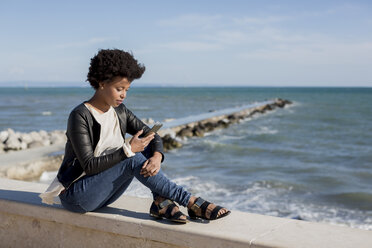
115	92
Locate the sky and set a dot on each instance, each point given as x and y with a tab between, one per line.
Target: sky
190	43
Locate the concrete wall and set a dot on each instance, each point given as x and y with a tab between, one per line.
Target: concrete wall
25	222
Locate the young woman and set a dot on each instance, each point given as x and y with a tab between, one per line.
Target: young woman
98	165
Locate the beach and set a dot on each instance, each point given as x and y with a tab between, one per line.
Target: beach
310	160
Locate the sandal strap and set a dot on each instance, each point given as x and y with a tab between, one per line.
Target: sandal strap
197	204
177	215
215	212
202	204
165	203
204	207
168	212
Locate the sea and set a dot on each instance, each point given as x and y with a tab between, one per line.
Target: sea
311	160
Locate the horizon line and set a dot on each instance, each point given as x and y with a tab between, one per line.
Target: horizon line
197	86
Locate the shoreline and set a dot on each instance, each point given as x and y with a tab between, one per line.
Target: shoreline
21	85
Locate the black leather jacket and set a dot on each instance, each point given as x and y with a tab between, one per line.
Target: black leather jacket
83	133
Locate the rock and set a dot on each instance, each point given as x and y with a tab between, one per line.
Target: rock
25	137
43	134
17	135
35	144
209	126
10	132
23	145
170	143
281	103
261	109
36	136
223	123
3	136
2	147
271	106
234	118
57	137
198	131
13	143
201	126
253	112
46	142
168	119
148	121
185	132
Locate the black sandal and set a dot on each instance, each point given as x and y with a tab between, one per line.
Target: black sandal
155	212
202	204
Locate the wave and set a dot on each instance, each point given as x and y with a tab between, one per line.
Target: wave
272	198
262	130
354	200
140	108
216	147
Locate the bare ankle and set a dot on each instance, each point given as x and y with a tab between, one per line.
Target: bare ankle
191	201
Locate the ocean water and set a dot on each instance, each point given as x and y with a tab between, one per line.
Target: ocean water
310	160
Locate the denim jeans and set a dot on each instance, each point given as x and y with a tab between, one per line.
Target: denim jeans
92	192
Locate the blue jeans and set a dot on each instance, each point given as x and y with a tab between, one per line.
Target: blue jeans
92	192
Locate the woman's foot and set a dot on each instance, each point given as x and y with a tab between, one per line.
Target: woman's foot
165	208
200	208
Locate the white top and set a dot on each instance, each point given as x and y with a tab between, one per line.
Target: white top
110	141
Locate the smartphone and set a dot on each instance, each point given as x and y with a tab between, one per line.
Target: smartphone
154	128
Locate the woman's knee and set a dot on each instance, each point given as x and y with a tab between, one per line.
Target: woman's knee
137	160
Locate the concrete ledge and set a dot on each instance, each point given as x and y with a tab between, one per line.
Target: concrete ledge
26	222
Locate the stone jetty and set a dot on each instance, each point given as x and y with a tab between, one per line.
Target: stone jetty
196	127
11	140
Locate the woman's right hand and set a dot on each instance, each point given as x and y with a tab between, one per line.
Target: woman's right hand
139	144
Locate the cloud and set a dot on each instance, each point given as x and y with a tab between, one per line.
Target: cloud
262	37
212	32
227	37
248	20
190	46
91	41
191	21
315	54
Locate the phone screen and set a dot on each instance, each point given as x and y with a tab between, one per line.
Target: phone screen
155	128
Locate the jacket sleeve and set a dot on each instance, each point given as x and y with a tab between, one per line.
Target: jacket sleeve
78	134
134	125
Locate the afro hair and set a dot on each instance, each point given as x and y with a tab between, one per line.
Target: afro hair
110	63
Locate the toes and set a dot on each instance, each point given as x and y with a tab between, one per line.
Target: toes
222	211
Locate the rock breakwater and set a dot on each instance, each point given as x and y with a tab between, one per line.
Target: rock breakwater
171	138
11	140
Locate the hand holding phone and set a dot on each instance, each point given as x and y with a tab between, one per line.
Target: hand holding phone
154	128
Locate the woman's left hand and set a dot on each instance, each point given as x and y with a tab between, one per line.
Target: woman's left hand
151	167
